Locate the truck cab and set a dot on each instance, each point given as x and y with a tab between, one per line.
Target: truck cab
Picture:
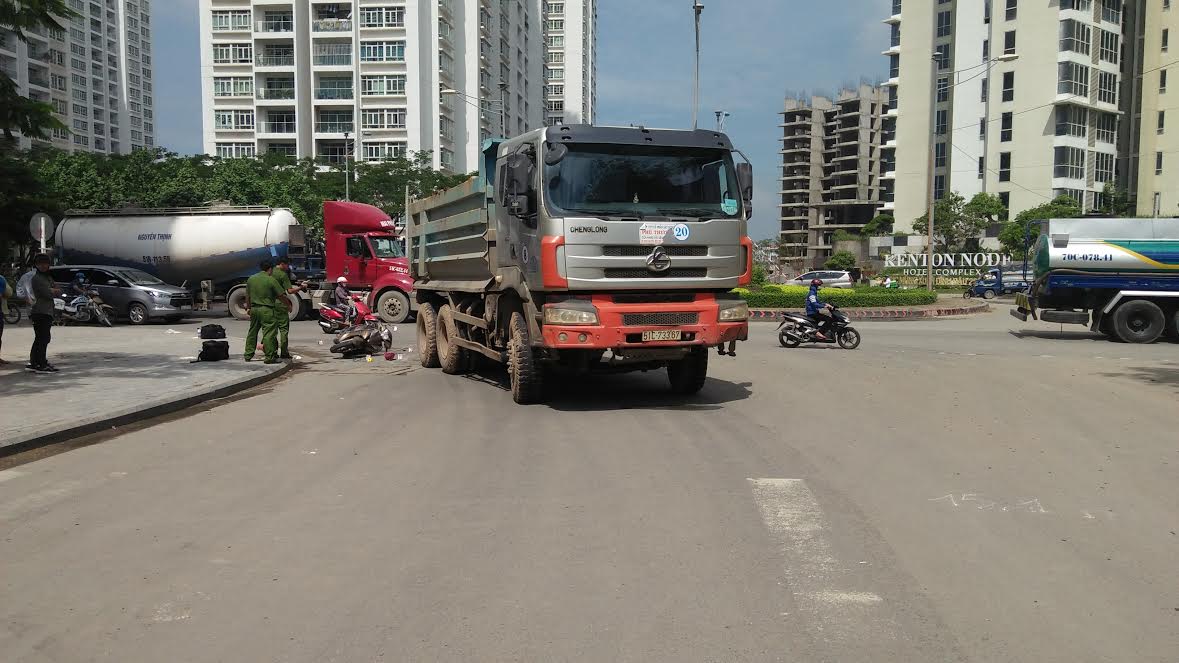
360	244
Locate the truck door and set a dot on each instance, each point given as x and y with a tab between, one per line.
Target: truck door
357	257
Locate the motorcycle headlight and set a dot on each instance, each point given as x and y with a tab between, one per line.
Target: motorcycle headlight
733	311
570	313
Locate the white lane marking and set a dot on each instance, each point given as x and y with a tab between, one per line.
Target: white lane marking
5	475
795	521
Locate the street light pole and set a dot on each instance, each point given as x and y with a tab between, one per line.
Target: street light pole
503	109
932	161
697	7
720	119
347	169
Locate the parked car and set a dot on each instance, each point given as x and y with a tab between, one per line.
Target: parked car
134	294
830	279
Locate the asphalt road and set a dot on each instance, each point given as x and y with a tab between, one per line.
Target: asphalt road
952	491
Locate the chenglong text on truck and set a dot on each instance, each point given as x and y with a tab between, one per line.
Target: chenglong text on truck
1119	276
582	248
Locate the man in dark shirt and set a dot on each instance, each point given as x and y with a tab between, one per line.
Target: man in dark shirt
43	290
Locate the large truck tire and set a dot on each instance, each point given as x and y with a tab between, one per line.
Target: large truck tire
296	310
452	358
428	336
687	375
236	301
393	307
1139	321
524	371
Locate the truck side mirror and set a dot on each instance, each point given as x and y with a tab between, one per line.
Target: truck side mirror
745	181
518	185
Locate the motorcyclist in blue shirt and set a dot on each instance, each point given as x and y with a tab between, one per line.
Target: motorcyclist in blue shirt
818	311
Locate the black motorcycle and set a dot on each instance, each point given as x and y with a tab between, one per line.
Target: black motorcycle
796	329
369	338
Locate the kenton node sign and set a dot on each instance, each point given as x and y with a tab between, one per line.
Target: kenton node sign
949	269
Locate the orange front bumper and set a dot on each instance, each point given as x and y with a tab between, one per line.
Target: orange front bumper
613	330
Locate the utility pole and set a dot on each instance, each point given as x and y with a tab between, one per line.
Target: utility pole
347	168
697	7
503	109
932	161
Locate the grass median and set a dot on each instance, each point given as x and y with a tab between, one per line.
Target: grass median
776	296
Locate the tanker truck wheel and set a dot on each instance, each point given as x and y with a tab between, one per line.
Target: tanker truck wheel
393	307
1139	321
236	301
427	336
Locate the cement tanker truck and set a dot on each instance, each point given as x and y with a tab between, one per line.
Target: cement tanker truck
224	244
1118	276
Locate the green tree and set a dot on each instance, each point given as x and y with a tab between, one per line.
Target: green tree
1015	233
956	220
843	260
17	112
1115	200
383	183
879	226
759	275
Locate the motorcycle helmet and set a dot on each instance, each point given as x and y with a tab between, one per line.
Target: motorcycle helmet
816	282
80	277
341	280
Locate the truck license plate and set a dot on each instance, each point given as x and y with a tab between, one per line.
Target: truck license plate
668	335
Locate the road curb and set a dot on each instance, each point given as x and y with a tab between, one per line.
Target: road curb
770	314
145	411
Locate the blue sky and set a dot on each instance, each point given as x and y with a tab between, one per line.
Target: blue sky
753	52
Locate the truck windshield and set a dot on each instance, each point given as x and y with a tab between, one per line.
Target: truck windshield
641	180
387	247
136	277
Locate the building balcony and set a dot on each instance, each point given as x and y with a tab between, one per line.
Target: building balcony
332	25
334	127
275	60
271	26
895	18
890	175
332	60
446	7
276	94
892	50
278	128
892	82
334	94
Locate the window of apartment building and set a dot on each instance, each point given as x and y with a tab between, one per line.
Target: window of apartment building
1110	46
235	150
1072	121
554	73
986	50
1005	131
285	149
230	20
1162	80
943	57
555	7
944	25
444	29
1009	42
1162	121
982	167
555	24
382	150
941	122
382	17
1158	163
556	120
1166	5
895	35
555	41
383	118
985	84
1069	162
943	89
382	51
554	90
81	125
896	7
939	189
1009	86
982	128
446	127
233	53
1166	39
1103	167
554	57
81	111
84	141
1004	166
1011	9
939	155
60	106
894	66
555	106
1075	36
382	85
1005	198
1074	79
1106	127
1107	87
1111	10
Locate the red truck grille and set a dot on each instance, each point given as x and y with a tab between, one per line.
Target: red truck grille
669	319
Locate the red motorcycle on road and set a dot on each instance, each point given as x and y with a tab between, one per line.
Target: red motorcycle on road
335	319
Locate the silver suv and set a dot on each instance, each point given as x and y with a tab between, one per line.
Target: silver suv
133	293
830	279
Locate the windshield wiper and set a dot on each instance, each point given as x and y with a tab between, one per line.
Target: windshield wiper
697	212
607	212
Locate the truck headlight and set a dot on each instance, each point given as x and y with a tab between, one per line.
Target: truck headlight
733	311
563	314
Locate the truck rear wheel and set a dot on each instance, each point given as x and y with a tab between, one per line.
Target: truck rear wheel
524	371
236	300
687	375
393	307
1139	321
452	358
428	336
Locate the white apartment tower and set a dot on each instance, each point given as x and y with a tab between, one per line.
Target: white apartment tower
1041	122
96	73
570	35
370	78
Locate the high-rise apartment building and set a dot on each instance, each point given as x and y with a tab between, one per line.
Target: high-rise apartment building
570	35
96	73
831	169
1155	165
373	78
1016	98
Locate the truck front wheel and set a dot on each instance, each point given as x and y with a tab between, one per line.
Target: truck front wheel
687	375
452	358
525	372
393	307
1139	321
428	336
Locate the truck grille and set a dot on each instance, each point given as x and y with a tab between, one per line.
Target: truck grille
644	251
655	298
643	273
642	319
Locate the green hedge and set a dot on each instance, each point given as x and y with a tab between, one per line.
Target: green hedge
795	297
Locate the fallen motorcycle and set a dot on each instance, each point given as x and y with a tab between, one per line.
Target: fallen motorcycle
82	309
796	329
369	338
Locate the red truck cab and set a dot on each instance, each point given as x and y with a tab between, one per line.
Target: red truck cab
361	244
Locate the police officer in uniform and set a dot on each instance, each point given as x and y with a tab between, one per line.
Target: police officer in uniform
262	293
282	274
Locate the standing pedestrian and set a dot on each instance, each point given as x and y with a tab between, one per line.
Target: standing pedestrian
262	293
42	291
5	295
282	274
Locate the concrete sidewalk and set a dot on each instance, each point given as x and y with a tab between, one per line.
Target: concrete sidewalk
111	377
